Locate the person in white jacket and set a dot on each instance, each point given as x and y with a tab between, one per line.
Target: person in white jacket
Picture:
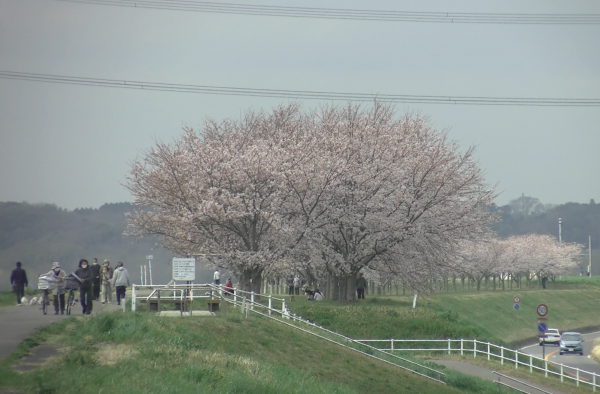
120	282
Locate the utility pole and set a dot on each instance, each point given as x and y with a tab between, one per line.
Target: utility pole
559	230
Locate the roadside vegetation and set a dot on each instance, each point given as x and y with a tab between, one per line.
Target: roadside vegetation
143	353
484	315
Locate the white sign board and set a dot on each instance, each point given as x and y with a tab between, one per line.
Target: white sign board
149	257
184	269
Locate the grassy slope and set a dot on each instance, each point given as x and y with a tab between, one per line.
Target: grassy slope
485	315
212	355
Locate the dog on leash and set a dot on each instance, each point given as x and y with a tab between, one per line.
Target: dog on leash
33	301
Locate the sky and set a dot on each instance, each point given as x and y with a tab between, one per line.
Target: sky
73	145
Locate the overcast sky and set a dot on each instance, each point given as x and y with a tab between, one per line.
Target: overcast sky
72	145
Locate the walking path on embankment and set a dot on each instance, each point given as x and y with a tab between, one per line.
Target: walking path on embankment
19	322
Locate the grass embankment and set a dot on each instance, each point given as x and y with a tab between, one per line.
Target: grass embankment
143	353
483	315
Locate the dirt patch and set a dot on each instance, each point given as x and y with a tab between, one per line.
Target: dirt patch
109	354
39	356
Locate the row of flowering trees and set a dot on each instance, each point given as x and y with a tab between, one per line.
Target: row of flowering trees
326	193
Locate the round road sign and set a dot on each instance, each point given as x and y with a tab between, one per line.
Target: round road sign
542	310
516	299
542	328
516	306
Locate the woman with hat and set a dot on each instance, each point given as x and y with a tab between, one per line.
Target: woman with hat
57	277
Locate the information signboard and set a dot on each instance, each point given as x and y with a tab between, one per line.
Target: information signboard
184	268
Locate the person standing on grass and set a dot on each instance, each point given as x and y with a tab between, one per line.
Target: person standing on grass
58	277
18	280
106	285
361	286
84	272
217	277
290	284
96	274
297	285
120	282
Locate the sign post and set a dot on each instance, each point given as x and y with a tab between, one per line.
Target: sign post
542	311
149	258
516	300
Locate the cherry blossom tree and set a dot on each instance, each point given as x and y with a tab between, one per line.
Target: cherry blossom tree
337	190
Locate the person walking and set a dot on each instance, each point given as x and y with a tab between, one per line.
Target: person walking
57	276
228	287
96	275
106	286
361	286
110	269
18	280
217	277
120	282
84	272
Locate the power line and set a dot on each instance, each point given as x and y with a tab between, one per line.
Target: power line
352	14
299	94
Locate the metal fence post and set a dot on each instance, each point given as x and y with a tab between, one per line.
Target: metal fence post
270	303
488	350
516	359
282	307
501	355
391	344
530	364
448	345
594	383
133	300
234	296
461	347
474	348
561	373
577	369
252	299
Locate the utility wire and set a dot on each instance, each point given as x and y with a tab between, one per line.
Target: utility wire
299	94
352	14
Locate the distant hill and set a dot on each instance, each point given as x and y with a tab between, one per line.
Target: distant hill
39	234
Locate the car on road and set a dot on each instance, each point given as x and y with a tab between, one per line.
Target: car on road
551	336
571	342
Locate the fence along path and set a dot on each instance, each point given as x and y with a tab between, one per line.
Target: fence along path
248	304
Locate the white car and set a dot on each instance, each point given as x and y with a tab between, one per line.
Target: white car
551	336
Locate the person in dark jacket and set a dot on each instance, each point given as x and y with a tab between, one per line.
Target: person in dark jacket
96	275
84	272
18	279
361	286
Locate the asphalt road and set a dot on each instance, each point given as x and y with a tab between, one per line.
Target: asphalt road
569	360
17	323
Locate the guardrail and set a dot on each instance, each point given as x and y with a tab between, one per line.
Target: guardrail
493	352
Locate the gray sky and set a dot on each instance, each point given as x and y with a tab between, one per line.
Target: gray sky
72	145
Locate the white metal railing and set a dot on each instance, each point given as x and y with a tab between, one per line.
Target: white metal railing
493	352
500	383
341	340
247	301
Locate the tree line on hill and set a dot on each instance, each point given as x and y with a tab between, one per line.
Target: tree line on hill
39	234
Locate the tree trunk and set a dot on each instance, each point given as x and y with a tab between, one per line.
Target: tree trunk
251	281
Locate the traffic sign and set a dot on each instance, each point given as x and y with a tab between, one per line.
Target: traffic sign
516	306
541	310
541	327
149	257
516	299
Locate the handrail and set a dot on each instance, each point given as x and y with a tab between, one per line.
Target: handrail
518	381
347	339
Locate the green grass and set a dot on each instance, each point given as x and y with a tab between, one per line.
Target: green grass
483	315
8	298
208	355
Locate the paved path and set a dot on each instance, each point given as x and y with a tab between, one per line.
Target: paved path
17	323
484	373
